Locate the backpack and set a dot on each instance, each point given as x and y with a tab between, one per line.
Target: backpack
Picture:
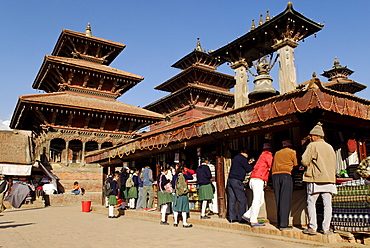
107	190
181	186
129	182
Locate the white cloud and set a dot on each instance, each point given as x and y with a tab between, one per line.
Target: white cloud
4	125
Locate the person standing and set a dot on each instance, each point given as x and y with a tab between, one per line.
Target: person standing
284	161
132	191
181	200
205	192
123	190
4	186
164	197
240	166
320	160
113	196
257	182
148	188
139	203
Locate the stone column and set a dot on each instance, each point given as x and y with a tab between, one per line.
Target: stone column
241	85
287	71
82	163
67	153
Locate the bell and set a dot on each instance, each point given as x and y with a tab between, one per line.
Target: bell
262	88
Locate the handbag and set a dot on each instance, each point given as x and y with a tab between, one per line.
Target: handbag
168	188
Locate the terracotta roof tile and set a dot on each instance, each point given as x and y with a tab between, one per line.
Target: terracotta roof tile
90	65
75	101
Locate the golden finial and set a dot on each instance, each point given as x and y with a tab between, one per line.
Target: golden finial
336	62
261	21
199	47
268	16
314	74
253	25
88	30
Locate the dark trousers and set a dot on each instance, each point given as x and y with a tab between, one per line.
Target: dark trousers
283	190
237	194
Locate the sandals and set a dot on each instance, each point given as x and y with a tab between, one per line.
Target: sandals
246	219
328	232
309	231
258	224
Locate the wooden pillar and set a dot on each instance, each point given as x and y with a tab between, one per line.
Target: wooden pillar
287	71
362	150
104	178
241	86
220	182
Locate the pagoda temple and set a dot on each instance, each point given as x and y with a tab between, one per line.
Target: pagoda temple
78	112
280	34
261	115
198	91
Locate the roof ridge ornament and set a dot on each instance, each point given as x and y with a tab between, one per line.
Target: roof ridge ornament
253	25
261	21
268	16
198	47
88	30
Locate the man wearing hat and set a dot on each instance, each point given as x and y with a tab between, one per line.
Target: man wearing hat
320	160
284	161
3	189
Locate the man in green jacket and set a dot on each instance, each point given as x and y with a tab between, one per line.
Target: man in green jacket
320	160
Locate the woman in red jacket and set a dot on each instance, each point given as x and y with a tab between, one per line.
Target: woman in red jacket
257	182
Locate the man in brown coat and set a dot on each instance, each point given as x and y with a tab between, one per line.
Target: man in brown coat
320	160
284	161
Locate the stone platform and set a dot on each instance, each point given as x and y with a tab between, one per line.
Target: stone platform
216	222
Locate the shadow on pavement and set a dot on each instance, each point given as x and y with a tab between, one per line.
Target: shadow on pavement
15	225
23	209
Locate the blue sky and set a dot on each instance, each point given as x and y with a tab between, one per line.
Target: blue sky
160	32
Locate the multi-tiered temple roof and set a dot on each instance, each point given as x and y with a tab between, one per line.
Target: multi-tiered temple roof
197	91
81	88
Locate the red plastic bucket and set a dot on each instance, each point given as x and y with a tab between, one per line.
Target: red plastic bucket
86	206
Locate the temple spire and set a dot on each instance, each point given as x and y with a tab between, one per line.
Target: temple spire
253	25
261	20
198	47
268	16
88	30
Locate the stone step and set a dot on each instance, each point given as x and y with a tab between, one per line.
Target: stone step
88	185
71	199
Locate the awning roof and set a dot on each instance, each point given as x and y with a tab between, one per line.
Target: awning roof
313	96
15	169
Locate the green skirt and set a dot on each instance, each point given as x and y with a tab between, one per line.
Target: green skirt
164	197
123	193
132	193
112	200
205	192
181	203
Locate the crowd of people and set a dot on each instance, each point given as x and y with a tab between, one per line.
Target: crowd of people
134	189
320	177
